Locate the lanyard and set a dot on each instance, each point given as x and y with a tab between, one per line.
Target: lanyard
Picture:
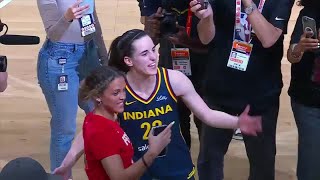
238	13
189	18
189	21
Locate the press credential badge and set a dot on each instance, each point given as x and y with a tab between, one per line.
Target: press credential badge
87	25
181	60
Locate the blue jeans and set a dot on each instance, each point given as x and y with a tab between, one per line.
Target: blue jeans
261	150
63	105
308	124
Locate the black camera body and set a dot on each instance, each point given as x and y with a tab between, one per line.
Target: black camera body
168	23
3	63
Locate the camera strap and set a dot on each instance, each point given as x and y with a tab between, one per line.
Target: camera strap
181	56
238	26
189	18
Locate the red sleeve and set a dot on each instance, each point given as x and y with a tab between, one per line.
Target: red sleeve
103	143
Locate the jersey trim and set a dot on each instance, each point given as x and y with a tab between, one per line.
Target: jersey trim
153	94
192	173
168	85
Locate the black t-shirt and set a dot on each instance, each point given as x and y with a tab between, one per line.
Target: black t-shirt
260	85
305	83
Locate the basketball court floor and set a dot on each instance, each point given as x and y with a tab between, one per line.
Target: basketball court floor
24	116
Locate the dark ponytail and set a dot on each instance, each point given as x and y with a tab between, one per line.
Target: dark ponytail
122	47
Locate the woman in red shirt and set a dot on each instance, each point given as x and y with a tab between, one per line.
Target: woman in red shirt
108	150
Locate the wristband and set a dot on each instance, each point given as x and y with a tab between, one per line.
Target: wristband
144	162
293	53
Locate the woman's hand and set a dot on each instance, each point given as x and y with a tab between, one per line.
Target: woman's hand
201	13
249	125
181	37
63	171
307	43
159	142
152	25
76	11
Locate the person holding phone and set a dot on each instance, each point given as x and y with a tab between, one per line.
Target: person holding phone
157	130
304	88
254	29
107	148
183	40
67	56
151	100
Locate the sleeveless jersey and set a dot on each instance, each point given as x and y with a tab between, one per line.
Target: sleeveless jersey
140	115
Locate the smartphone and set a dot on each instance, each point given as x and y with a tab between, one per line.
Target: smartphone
91	5
309	25
157	130
204	4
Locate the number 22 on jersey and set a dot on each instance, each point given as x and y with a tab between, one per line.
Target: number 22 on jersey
147	126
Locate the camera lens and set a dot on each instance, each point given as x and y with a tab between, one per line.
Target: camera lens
168	24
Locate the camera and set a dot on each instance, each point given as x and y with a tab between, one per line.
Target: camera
168	23
13	40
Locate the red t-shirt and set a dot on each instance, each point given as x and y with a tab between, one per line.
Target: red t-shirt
104	138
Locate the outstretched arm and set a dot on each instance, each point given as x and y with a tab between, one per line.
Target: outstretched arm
183	88
72	157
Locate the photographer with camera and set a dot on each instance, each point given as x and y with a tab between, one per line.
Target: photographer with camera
172	24
245	39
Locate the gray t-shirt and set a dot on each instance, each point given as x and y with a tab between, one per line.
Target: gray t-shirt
58	29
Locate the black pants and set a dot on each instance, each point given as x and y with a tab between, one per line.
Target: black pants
261	150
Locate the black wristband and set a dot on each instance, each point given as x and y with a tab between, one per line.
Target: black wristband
144	162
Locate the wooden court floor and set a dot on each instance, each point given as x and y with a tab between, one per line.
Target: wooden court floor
24	116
